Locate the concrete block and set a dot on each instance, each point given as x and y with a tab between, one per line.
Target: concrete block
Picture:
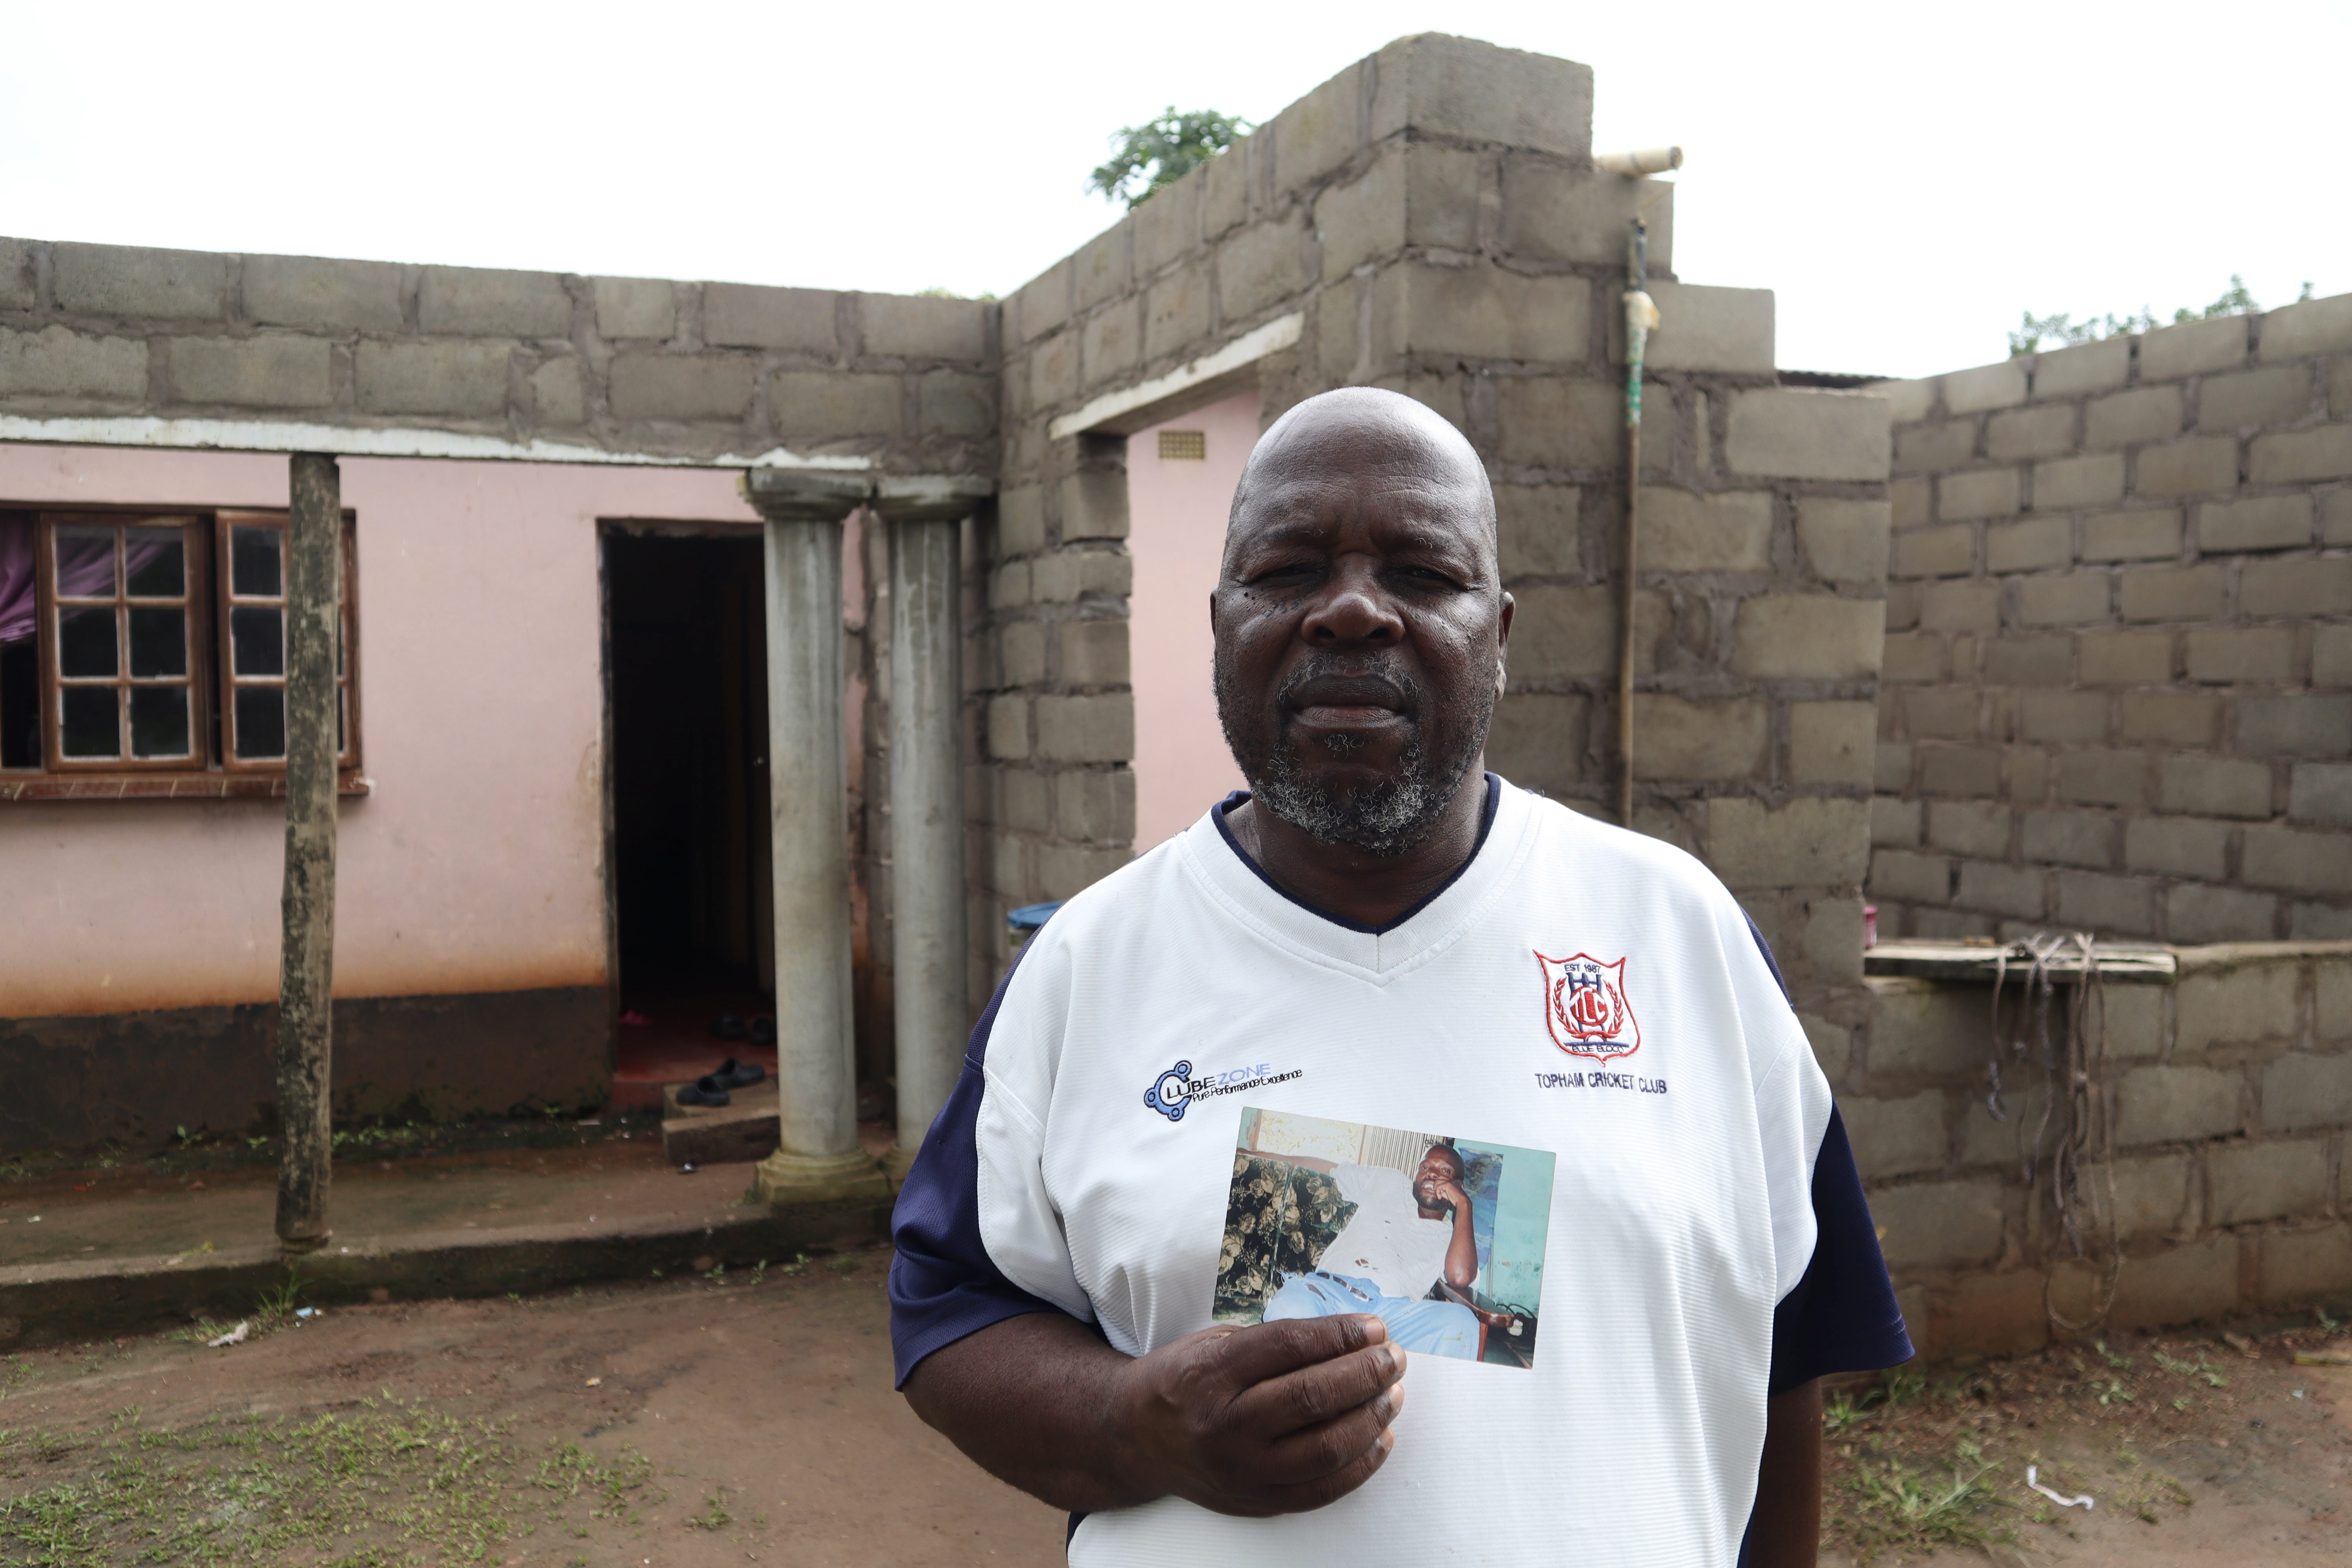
1915	878
2297	724
1065	870
1947	551
2331	656
819	404
2278	394
2096	776
1538	740
2304	1089
2152	1195
2111	906
1897	1137
2170	353
2267	1180
2228	655
1478	312
2319	923
2135	1021
558	398
1556	212
2029	661
1451	86
2308	327
2303	1267
479	302
2148	534
2044	431
2200	912
1568	633
2125	658
1262	265
1789	637
2129	418
1227	185
2077	717
1844	540
2305	587
2196	1280
1087	728
1949	713
1729	532
2097	479
1980	492
2303	456
1366	217
1553	423
1024	653
58	362
2086	367
1167	225
1703	328
2035	544
2297	861
330	295
1926	1027
2021	892
1096	807
1910	503
2201	465
16	290
1988	1313
2173	594
1099	269
625	307
952	403
2332	997
1538	529
1960	607
912	326
2000	386
1009	589
252	373
1832	1044
1008	727
1067	576
464	379
1935	449
1892	771
1026	804
1969	828
1892	823
2073	598
1176	312
1831	742
2321	793
1053	370
1112	339
1044	302
1094	653
680	388
2190	719
745	315
1678	738
1095	504
1021	520
2084	839
128	281
1916	657
1939	1223
1962	772
2263	523
2215	786
1787	433
1808	843
2176	1105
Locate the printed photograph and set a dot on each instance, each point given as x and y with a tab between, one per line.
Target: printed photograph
1440	1238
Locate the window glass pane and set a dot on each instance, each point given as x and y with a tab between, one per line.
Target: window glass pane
156	559
158	640
20	704
85	562
253	567
86	642
159	720
342	713
260	722
91	724
256	640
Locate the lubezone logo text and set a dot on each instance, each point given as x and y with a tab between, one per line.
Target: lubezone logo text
1173	1091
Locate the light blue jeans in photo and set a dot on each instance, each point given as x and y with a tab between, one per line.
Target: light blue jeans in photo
1431	1328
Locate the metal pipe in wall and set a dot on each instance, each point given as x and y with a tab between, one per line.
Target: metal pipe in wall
1640	315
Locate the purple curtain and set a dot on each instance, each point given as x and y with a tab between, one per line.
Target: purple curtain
15	578
84	566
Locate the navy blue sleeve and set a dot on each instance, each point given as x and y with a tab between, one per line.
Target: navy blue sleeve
943	1284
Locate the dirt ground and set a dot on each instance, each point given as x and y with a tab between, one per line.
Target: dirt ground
749	1418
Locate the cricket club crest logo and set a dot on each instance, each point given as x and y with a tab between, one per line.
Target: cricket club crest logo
1585	1007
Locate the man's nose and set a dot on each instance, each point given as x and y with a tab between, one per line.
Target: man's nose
1352	608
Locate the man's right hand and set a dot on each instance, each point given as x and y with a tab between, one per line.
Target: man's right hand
1278	1418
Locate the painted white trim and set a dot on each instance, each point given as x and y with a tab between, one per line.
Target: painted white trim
360	441
1252	345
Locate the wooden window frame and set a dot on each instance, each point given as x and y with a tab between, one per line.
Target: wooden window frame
212	772
224	522
195	557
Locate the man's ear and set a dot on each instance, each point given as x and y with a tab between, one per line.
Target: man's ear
1503	646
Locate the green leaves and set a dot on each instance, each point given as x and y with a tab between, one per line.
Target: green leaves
1162	150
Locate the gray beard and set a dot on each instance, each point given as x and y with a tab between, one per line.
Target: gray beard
1385	818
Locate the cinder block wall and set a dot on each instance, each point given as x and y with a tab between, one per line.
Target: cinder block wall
2231	1097
1433	215
637	364
2119	650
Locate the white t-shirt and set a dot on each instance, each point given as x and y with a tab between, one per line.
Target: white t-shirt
1387	1241
1680	1208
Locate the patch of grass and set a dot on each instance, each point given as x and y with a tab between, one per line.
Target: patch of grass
714	1515
1893	1506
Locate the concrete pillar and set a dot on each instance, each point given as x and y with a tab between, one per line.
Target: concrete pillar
926	794
808	785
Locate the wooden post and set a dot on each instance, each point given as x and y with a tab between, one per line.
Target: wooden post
306	973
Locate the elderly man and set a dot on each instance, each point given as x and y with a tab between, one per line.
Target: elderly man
1385	933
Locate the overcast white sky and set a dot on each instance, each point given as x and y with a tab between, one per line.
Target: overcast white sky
1907	177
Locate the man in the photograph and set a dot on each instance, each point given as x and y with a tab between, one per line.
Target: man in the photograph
1408	1238
1371	922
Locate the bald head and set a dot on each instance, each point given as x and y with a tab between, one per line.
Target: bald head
1368	432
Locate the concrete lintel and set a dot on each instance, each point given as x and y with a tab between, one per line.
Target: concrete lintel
1202	380
931	497
363	441
802	495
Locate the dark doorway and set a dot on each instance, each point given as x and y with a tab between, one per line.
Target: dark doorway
687	671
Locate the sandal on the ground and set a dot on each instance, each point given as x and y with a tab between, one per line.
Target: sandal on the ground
728	1027
732	1074
704	1090
763	1031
